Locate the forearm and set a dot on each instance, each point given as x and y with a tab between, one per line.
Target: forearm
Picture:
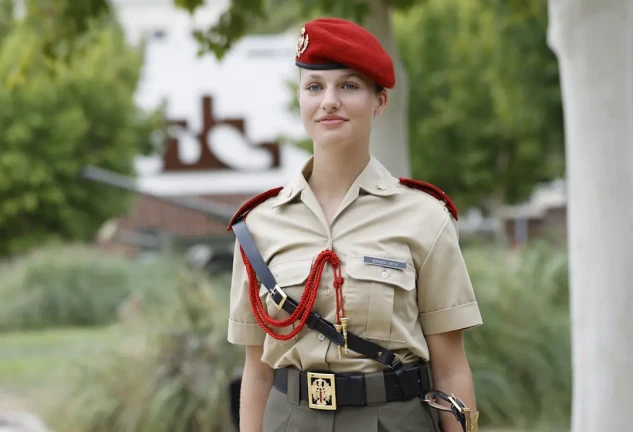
461	385
253	397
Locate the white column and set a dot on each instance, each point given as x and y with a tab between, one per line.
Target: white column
593	40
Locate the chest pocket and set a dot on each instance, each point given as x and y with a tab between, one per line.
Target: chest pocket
291	277
386	296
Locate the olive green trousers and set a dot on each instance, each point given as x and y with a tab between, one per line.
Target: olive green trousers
285	415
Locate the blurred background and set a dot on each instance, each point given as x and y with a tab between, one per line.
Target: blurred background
130	131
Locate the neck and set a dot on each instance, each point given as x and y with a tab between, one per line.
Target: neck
333	172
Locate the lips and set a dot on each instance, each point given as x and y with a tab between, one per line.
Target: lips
331	119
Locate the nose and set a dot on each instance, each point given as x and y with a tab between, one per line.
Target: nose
331	101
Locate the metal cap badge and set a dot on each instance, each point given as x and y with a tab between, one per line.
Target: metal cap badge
302	42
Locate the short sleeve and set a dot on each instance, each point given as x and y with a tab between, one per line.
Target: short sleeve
446	299
243	327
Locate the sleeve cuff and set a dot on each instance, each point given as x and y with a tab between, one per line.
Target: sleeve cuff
451	319
241	333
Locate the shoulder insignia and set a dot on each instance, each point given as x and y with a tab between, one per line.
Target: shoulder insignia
252	203
432	190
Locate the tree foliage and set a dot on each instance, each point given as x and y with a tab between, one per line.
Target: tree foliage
6	17
61	113
60	22
257	16
485	113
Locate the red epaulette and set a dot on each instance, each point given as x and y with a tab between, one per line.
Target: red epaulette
432	190
252	203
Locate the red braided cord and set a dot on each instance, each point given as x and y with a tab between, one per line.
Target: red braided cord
306	303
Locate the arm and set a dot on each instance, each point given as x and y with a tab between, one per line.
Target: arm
447	305
243	329
257	380
451	373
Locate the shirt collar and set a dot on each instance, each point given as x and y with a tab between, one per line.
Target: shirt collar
375	179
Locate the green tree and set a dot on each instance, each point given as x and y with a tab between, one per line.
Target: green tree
62	113
61	22
6	17
485	116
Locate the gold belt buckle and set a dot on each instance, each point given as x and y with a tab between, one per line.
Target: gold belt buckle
322	391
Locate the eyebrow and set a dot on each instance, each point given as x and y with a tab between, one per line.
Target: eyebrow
314	76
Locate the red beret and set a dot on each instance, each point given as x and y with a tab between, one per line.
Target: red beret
333	43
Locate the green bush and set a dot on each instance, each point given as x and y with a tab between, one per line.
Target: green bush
75	286
174	380
521	356
61	113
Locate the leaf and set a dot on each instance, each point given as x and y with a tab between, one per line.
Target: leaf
189	5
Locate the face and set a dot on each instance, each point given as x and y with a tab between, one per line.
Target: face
338	106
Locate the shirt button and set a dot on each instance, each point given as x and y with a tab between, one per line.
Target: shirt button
384	274
327	291
321	337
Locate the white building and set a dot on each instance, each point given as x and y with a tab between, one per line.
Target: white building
208	157
251	82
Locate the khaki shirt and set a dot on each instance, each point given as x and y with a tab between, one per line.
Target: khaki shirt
396	308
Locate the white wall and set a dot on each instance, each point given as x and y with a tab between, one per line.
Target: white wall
250	83
141	17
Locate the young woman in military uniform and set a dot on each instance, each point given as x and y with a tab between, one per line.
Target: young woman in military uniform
375	256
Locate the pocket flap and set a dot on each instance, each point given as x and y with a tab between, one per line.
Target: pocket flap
402	278
289	273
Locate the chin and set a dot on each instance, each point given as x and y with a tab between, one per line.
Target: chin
333	138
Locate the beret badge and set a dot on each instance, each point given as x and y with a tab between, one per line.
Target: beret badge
302	42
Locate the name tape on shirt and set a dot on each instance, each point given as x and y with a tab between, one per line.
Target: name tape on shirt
382	262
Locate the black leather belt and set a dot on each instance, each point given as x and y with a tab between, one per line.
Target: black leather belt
350	388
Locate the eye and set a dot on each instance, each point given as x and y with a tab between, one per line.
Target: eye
314	87
350	86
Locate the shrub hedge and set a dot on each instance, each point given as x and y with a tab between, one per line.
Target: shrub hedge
75	286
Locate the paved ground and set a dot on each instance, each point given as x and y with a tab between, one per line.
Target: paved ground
15	416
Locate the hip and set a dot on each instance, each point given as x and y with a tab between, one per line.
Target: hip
346	402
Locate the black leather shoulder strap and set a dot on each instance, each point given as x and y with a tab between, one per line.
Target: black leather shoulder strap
252	253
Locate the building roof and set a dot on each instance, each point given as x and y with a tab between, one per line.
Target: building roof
544	197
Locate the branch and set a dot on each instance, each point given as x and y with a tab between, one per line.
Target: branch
233	24
244	15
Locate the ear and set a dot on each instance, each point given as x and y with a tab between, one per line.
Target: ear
381	99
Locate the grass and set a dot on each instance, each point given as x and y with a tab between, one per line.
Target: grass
33	361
